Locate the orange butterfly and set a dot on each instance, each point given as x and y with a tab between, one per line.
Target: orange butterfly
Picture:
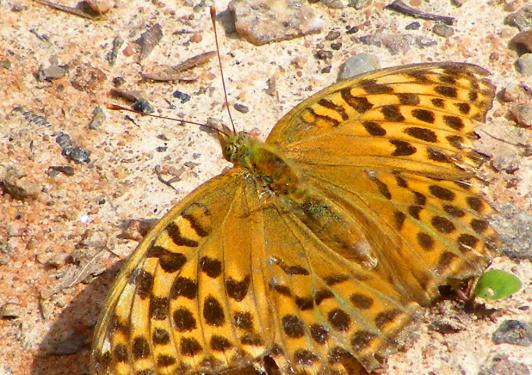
321	243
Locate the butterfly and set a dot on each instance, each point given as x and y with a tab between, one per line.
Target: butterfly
320	245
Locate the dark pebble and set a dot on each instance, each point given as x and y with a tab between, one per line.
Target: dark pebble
513	332
502	365
51	73
31	117
323	55
241	108
332	35
63	140
184	97
336	46
413	26
77	154
65	169
118	81
98	117
351	29
142	105
6	64
443	30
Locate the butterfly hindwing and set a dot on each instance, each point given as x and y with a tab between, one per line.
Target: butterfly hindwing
187	299
327	309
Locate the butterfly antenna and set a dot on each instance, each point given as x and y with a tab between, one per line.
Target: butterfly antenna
213	19
116	107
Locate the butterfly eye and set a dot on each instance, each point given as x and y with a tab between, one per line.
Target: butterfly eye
229	150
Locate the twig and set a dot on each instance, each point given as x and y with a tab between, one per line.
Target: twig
401	7
166	182
71	10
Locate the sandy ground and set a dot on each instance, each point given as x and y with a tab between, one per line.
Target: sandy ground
69	229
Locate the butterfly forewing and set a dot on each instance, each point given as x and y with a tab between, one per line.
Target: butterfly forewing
401	157
449	93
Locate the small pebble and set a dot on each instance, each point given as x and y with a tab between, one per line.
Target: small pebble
513	332
184	97
241	108
332	35
506	162
326	70
336	4
351	30
18	8
271	86
459	3
31	117
18	185
523	41
98	117
99	6
161	148
196	38
359	4
12	230
118	81
5	64
63	140
445	326
78	154
502	365
87	78
336	46
54	170
58	260
264	21
149	39
113	53
522	113
423	41
524	64
442	30
323	54
142	105
413	26
51	73
4	260
522	18
5	248
10	310
358	64
396	43
510	93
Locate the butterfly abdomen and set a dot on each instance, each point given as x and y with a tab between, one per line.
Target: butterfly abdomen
337	229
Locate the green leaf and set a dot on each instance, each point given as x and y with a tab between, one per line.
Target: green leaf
496	284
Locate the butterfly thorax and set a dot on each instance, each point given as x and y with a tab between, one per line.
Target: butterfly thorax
262	160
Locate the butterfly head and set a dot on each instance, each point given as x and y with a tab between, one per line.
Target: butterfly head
238	147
